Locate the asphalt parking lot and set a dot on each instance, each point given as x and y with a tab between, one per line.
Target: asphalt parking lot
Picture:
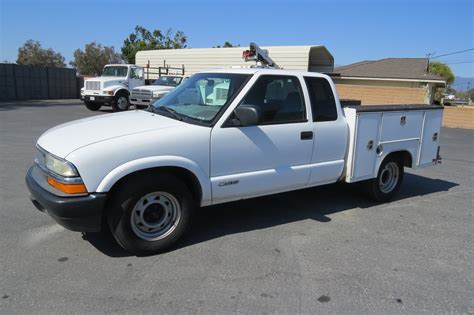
320	250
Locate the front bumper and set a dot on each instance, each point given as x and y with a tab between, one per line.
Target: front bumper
81	213
142	101
101	99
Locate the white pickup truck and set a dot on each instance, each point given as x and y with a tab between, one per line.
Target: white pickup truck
221	136
113	87
147	94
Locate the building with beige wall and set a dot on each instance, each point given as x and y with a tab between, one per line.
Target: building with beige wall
388	81
306	58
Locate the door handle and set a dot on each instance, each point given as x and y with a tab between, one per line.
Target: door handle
306	135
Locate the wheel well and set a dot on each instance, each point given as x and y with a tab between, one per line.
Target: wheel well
122	91
405	156
183	174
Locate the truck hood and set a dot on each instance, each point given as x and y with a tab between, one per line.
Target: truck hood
154	88
107	81
66	138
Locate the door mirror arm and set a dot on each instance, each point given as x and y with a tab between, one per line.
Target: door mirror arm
245	115
233	122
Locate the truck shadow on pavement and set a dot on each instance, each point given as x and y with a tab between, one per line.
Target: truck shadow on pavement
259	213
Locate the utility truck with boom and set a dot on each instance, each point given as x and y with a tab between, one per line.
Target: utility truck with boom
221	136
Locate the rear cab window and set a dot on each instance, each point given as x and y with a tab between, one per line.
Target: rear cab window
323	102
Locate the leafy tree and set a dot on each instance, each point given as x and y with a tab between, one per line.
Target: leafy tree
31	53
226	45
143	39
92	60
443	70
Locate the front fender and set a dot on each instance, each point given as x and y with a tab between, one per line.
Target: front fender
117	88
158	161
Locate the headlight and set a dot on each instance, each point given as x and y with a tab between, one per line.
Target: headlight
158	94
109	92
60	167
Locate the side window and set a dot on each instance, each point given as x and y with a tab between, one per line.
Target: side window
322	99
136	73
279	98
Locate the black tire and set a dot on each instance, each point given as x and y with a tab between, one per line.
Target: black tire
121	102
126	202
93	106
388	180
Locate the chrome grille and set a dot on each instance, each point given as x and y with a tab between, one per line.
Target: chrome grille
93	85
139	93
39	159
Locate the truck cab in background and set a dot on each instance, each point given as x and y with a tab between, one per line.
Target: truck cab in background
113	87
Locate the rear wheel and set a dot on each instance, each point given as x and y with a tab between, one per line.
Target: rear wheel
121	102
92	106
388	180
149	215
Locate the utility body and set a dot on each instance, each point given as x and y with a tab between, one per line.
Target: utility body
221	136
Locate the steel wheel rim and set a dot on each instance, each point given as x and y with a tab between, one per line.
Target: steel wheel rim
389	177
155	216
122	102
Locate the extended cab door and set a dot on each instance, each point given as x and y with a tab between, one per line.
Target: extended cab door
136	78
270	157
330	130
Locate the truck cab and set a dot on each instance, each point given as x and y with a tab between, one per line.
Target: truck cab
113	87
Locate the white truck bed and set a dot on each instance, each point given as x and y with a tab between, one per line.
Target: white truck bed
375	131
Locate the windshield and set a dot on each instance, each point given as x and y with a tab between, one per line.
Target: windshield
168	81
202	96
115	71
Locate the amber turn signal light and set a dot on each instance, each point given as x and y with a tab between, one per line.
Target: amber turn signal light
67	188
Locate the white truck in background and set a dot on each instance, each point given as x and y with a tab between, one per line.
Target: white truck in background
221	136
113	87
143	96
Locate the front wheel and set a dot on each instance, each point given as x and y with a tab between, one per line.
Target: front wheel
120	102
388	180
150	214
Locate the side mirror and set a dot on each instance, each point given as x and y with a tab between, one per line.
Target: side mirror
246	115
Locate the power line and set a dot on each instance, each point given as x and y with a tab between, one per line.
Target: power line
457	63
455	60
453	53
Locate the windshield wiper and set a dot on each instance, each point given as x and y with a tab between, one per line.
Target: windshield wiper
171	111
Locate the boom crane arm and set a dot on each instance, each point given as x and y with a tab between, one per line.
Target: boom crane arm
255	53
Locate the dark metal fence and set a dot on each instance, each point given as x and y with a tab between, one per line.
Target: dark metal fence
33	82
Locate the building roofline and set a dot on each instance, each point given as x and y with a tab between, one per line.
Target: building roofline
443	82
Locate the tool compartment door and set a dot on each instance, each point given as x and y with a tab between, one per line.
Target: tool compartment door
401	125
430	139
365	145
